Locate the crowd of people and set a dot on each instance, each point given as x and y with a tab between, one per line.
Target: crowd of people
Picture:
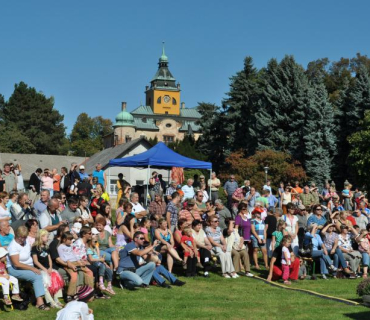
59	234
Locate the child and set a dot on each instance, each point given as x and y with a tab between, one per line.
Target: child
302	270
75	310
188	244
93	255
72	266
6	280
278	235
53	282
285	260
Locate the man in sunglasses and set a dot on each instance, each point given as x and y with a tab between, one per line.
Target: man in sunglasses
132	268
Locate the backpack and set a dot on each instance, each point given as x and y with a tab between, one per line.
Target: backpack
22	305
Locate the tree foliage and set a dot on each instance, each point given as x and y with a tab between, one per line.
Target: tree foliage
87	134
30	120
281	167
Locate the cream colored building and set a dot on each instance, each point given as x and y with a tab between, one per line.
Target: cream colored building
163	117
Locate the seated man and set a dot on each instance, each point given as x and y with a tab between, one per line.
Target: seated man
132	269
137	208
160	271
276	270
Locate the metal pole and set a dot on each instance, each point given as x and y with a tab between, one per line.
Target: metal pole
108	181
147	187
210	177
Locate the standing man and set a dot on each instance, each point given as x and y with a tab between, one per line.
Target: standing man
306	197
172	211
251	197
229	188
56	180
132	268
64	180
267	186
188	190
10	179
214	183
170	190
82	173
73	174
34	186
100	174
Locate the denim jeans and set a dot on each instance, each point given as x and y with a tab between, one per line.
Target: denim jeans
28	275
161	270
339	259
324	260
141	276
108	254
365	259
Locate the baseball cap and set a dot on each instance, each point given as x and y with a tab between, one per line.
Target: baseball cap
82	167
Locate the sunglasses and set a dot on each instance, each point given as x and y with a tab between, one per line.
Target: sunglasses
318	209
215	221
141	238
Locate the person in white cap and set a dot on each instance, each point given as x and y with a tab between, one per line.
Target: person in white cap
82	173
6	280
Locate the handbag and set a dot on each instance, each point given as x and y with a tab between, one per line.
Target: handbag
306	250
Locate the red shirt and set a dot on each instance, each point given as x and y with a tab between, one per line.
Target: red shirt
352	220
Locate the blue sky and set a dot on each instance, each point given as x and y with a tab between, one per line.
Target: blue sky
91	55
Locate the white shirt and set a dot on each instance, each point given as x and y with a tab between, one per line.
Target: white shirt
24	253
4	213
137	207
75	310
188	192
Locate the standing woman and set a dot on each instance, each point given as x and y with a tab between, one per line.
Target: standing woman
259	237
292	226
347	197
164	235
281	191
2	182
217	240
243	224
154	185
203	188
20	181
97	200
123	188
286	197
4	212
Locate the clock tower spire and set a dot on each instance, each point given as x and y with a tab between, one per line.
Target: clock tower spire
163	95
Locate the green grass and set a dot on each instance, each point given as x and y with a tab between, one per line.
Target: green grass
218	298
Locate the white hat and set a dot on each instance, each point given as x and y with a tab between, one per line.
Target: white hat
3	252
94	231
82	167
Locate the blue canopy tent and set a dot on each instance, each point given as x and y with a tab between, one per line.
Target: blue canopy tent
160	156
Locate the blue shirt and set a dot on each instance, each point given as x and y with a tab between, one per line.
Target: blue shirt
40	207
230	187
85	175
316	241
272	200
100	176
126	259
5	240
314	219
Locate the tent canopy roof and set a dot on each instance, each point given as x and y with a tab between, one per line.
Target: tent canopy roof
160	156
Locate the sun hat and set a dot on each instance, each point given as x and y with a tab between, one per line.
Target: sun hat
257	210
85	293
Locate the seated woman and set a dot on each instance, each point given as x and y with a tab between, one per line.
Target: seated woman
203	245
32	227
364	248
342	221
345	245
122	212
106	246
215	237
126	232
276	272
164	235
105	213
331	244
319	250
235	244
84	210
20	265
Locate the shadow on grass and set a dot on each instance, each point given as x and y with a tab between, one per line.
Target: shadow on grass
358	316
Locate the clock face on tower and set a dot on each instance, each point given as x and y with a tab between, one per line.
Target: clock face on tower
166	99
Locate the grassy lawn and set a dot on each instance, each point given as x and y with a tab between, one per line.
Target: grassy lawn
218	298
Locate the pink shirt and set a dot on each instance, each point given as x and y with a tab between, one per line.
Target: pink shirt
47	182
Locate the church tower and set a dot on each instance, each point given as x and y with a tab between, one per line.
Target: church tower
163	95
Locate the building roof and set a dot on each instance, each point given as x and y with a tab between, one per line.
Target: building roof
30	162
163	76
147	124
115	152
192	124
190	113
143	110
184	113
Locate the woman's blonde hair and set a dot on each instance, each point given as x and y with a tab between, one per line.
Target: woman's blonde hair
22	232
38	241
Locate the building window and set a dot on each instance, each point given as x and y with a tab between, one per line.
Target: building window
143	120
139	182
174	102
159	100
168	139
168	125
150	101
166	112
128	138
113	187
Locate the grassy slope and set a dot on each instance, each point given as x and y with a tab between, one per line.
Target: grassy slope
218	298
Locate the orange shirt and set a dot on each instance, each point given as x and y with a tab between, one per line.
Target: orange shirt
186	214
56	184
296	190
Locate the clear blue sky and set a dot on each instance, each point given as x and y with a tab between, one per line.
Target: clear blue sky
91	55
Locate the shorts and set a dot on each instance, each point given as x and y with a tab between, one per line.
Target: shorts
256	244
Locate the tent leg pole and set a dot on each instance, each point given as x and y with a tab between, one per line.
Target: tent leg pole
210	177
147	187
